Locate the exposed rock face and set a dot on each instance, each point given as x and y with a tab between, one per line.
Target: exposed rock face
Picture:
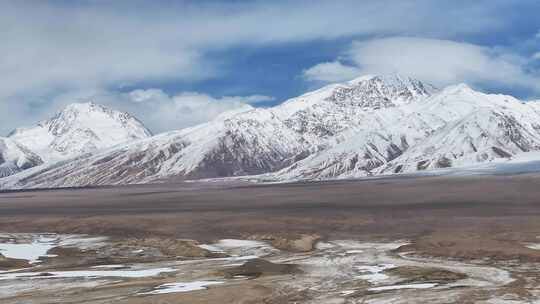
15	158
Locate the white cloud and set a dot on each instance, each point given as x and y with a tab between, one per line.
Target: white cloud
331	72
536	56
156	109
148	95
440	62
256	99
54	47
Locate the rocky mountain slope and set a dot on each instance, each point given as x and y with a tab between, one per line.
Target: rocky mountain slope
79	128
368	126
455	127
15	158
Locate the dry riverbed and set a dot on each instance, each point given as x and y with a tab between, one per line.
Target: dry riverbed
394	240
55	268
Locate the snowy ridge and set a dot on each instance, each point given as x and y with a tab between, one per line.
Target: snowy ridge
79	128
371	125
15	158
455	127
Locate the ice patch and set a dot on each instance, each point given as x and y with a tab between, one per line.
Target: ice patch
533	246
31	247
232	243
373	274
85	274
240	247
324	246
355	245
82	241
32	251
407	286
110	266
181	287
212	248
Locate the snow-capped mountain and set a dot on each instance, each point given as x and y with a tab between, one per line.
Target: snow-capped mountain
15	158
251	141
79	128
368	126
455	127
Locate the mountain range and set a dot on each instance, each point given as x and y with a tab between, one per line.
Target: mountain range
372	125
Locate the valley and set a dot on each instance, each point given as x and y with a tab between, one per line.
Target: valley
433	239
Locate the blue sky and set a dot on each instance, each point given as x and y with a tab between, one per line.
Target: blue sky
178	63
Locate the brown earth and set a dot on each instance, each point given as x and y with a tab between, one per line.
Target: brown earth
465	217
413	274
8	263
289	242
259	267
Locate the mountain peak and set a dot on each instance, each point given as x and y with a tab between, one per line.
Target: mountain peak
360	79
85	107
382	91
80	128
459	88
375	124
81	105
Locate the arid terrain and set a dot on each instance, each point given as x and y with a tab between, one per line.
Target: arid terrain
388	240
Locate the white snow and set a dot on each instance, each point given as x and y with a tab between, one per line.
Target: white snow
181	287
373	273
14	157
79	128
211	248
406	286
85	274
31	247
110	266
372	125
233	243
533	246
28	251
242	248
82	241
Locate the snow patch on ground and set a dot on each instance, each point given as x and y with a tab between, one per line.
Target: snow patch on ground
31	247
82	241
85	274
110	266
236	247
373	274
32	251
182	287
406	286
533	246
